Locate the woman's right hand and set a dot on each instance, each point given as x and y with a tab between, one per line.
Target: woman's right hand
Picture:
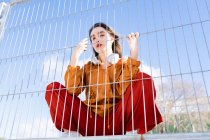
81	47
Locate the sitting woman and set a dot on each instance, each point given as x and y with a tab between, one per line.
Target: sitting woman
119	97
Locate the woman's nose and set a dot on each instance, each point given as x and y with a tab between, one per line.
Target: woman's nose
96	41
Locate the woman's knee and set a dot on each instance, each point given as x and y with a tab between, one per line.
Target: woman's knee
143	76
147	83
50	88
53	85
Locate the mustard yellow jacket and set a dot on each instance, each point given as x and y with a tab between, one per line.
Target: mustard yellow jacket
101	85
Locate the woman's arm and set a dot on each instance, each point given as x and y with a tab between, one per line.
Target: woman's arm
75	79
75	76
80	48
130	66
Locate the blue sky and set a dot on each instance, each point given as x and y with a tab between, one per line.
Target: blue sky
162	26
174	41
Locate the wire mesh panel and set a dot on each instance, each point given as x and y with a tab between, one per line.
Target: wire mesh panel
39	38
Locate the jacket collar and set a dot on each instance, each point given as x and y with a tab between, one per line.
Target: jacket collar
113	59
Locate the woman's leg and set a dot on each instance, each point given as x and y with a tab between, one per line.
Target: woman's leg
68	112
140	110
60	104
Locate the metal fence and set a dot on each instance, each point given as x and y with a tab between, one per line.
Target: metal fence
38	39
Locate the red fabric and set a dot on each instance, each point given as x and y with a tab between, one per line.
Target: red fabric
66	112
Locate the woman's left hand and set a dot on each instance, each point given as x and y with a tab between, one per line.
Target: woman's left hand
132	39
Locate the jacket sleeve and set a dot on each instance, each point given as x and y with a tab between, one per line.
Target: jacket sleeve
130	68
75	79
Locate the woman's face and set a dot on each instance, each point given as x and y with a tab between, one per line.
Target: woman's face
101	40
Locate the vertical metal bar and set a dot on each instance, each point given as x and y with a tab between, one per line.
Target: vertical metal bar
1	61
87	116
83	70
64	8
113	112
122	94
69	8
4	110
88	98
150	64
105	82
131	78
207	8
59	3
93	55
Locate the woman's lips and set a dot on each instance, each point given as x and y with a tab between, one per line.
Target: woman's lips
98	45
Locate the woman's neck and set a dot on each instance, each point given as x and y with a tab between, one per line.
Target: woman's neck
103	56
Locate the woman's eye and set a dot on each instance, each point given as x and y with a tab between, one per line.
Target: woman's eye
101	35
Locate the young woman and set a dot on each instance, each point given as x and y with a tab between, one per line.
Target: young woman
119	97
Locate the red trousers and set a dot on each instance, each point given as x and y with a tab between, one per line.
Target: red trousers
69	112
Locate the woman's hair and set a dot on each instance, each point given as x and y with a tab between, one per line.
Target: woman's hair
116	47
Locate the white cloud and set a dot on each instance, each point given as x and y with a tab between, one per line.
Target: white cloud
52	65
154	72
